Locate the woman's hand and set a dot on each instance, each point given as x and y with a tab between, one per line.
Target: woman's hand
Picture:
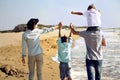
23	60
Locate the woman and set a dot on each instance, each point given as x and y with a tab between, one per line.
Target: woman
30	39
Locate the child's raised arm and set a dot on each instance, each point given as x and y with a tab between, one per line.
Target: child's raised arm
70	31
60	28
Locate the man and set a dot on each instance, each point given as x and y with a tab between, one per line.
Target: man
94	41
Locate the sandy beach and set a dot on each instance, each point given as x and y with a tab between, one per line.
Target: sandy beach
10	57
10	50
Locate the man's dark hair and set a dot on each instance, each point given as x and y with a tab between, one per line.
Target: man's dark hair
31	23
63	39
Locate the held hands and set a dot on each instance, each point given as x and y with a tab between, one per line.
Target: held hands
60	28
60	25
73	30
71	26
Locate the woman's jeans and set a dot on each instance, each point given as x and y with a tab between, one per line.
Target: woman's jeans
97	66
38	60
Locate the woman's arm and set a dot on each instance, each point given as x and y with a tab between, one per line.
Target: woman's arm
23	45
46	30
23	49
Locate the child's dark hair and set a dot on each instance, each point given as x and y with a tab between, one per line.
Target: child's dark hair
63	39
31	23
91	6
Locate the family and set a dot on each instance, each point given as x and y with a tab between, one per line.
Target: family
94	40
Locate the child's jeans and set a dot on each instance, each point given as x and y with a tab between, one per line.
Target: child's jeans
38	60
64	70
97	66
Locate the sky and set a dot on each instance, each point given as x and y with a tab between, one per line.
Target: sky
14	12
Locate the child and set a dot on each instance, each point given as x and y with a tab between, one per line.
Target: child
64	54
93	17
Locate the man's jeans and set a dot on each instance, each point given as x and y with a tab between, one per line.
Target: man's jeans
97	66
38	60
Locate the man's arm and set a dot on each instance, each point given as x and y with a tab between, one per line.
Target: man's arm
46	30
73	30
77	13
70	33
103	42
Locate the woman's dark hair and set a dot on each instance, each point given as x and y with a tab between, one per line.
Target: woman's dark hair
31	23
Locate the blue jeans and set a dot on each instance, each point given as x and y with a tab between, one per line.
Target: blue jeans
97	65
64	70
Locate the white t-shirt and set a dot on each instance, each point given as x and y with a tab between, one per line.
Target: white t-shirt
31	40
93	17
